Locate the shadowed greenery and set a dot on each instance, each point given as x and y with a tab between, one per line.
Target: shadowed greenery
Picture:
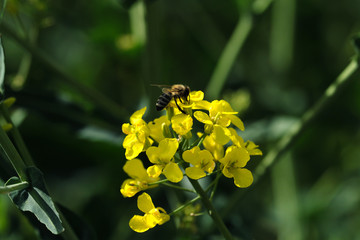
78	69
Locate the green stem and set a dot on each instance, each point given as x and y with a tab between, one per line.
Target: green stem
158	182
184	205
69	233
177	187
211	210
198	141
91	94
13	155
3	7
287	140
13	187
228	56
17	137
216	181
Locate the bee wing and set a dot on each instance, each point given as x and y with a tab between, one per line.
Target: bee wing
165	88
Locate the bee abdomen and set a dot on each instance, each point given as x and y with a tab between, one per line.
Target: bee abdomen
163	101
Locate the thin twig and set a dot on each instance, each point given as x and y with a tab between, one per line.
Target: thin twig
289	139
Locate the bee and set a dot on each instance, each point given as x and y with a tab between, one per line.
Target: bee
177	91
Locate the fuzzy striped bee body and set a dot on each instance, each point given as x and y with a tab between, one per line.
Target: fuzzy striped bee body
177	91
163	101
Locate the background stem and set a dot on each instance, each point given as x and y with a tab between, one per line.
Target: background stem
211	210
228	56
13	155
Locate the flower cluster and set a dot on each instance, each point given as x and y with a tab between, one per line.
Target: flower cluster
174	151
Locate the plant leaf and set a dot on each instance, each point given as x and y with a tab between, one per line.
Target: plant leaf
37	201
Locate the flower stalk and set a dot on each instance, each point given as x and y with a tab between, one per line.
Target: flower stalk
211	210
13	187
15	134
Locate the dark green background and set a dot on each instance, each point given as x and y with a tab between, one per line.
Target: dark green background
293	52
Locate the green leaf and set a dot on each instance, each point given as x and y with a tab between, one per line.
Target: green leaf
2	70
37	201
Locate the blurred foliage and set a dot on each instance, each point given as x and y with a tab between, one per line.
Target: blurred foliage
293	52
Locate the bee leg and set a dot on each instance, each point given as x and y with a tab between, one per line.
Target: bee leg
178	105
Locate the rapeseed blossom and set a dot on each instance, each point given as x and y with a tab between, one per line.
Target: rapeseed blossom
201	160
233	164
174	151
152	216
139	180
138	132
162	158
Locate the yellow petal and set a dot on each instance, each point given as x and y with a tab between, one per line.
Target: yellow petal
226	171
182	123
195	173
145	203
154	171
172	172
126	128
128	188
215	148
156	128
207	160
238	155
167	148
191	156
202	117
252	148
150	220
255	152
134	150
220	135
137	116
153	154
196	96
243	178
163	218
236	139
135	169
129	140
138	224
205	105
237	122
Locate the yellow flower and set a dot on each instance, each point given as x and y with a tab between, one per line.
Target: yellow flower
216	149
162	157
233	166
156	128
139	180
221	113
137	132
202	161
152	216
250	146
219	118
219	133
181	123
